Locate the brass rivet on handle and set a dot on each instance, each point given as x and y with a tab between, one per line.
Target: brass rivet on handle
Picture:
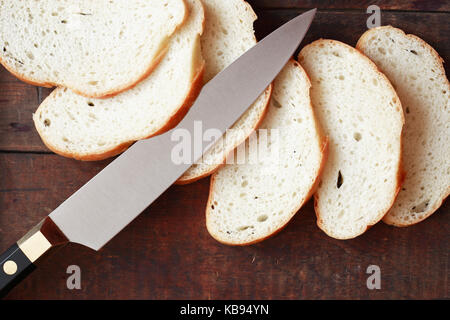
10	267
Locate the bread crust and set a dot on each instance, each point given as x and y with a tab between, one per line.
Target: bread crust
324	155
192	95
268	92
440	64
175	118
196	86
107	94
400	172
181	181
117	90
322	141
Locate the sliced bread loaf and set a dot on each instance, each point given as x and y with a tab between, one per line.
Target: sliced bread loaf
96	48
228	34
363	118
93	129
251	201
417	73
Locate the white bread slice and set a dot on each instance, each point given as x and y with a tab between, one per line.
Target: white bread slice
228	34
416	71
97	48
250	202
94	129
360	112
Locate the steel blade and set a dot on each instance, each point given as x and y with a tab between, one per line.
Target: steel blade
119	193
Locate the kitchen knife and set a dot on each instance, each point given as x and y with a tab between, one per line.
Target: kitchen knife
119	193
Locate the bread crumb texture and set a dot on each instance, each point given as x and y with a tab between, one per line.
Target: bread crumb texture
228	34
249	202
362	116
80	127
93	47
416	71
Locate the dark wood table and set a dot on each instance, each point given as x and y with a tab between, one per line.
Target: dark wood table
167	253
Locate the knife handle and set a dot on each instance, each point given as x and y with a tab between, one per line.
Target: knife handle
15	266
18	261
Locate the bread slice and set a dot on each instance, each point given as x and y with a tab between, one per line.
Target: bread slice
252	201
94	129
416	71
360	112
228	34
96	48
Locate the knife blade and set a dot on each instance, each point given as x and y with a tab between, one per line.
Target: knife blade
105	205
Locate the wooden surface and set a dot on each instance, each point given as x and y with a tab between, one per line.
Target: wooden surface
405	5
167	253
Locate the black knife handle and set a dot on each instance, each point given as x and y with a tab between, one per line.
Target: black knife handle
19	261
14	267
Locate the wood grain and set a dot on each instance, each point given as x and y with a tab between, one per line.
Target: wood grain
17	103
349	26
406	5
167	253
